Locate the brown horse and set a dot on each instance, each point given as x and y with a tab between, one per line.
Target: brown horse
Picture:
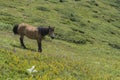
31	32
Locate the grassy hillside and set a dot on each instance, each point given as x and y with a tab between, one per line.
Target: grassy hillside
78	21
87	44
59	60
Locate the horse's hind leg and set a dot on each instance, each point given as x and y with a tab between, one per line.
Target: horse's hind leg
39	46
21	41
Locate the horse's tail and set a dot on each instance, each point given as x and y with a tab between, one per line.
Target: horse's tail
15	29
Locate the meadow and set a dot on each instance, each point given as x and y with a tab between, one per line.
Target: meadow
86	47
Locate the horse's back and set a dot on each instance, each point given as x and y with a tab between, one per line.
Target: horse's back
31	32
21	28
28	30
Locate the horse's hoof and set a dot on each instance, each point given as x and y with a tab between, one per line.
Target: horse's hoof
40	51
24	47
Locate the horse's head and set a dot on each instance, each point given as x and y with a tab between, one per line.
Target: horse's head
51	32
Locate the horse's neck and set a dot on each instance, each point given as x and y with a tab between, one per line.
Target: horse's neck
43	31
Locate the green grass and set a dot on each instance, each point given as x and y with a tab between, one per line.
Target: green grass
92	17
87	44
59	60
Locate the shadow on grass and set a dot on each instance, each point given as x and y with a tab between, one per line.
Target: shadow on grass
17	46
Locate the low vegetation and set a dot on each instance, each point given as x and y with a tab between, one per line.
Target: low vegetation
87	44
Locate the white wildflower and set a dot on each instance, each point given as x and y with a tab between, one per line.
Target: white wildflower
31	70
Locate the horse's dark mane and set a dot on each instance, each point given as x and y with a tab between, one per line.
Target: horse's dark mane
43	31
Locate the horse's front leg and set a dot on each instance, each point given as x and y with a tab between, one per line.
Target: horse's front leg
39	46
21	41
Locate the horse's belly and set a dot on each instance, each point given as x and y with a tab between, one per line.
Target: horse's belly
31	34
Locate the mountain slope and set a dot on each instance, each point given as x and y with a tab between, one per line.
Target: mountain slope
59	60
93	25
78	21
